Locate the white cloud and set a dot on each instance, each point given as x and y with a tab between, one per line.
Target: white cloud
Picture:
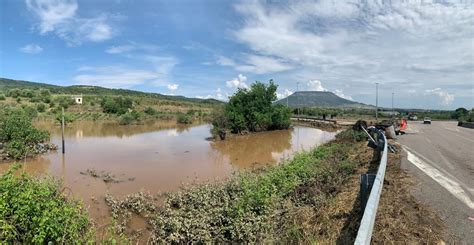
172	87
119	49
224	61
446	98
59	17
262	64
218	94
284	94
238	82
115	77
315	85
341	94
31	49
397	43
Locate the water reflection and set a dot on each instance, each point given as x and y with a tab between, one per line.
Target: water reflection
244	151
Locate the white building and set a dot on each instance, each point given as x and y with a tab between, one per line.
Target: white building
77	99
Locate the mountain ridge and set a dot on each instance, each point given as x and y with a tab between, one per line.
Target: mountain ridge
6	84
318	99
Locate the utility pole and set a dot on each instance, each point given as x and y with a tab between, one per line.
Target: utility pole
298	97
377	102
62	130
393	111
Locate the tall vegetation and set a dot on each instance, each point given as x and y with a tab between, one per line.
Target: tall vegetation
17	133
251	110
116	105
35	211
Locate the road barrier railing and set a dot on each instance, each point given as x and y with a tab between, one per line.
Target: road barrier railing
364	235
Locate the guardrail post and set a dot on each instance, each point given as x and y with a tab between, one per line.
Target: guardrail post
366	183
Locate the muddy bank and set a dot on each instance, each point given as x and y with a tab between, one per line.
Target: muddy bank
311	198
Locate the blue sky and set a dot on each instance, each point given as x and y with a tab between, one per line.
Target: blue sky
420	50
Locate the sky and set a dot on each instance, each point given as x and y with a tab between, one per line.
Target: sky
422	52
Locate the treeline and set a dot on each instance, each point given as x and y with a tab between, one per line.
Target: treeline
251	110
9	84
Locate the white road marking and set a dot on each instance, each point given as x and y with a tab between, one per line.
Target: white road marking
452	129
446	182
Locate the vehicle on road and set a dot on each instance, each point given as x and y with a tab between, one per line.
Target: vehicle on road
427	120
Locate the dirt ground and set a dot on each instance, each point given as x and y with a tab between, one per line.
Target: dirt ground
400	218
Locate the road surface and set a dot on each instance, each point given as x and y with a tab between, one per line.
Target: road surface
441	157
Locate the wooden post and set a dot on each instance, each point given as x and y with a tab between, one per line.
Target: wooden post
62	130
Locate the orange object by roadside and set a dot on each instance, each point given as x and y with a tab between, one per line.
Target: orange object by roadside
403	124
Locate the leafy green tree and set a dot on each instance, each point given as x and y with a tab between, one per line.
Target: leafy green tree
252	109
19	134
460	114
219	122
116	105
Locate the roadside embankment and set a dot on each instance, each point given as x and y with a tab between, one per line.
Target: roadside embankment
310	198
466	124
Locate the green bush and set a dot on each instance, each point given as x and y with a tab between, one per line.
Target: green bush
116	105
41	107
252	109
150	111
35	211
64	102
184	119
129	117
68	118
2	97
19	134
219	123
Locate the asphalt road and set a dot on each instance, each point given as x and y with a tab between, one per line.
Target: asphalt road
441	157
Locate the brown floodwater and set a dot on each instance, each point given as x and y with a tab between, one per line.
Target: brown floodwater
157	156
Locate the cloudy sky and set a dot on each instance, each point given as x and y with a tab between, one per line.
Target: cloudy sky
422	51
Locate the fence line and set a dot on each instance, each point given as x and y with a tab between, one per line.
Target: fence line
364	235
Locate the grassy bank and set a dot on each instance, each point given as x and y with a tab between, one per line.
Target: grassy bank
311	198
250	206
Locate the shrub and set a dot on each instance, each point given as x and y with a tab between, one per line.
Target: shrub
116	105
184	119
68	118
150	111
129	117
41	107
2	97
64	101
252	109
219	123
20	136
35	211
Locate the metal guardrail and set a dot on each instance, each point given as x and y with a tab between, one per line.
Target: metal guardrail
364	235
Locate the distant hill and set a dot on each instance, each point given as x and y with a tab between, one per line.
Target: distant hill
7	84
318	99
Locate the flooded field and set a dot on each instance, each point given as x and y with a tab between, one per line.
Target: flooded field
157	156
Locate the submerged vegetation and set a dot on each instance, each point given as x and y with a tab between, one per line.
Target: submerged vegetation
18	136
251	110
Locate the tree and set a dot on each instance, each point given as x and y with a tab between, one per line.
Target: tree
219	122
252	109
460	113
19	134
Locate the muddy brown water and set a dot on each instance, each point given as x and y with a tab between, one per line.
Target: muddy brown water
157	156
